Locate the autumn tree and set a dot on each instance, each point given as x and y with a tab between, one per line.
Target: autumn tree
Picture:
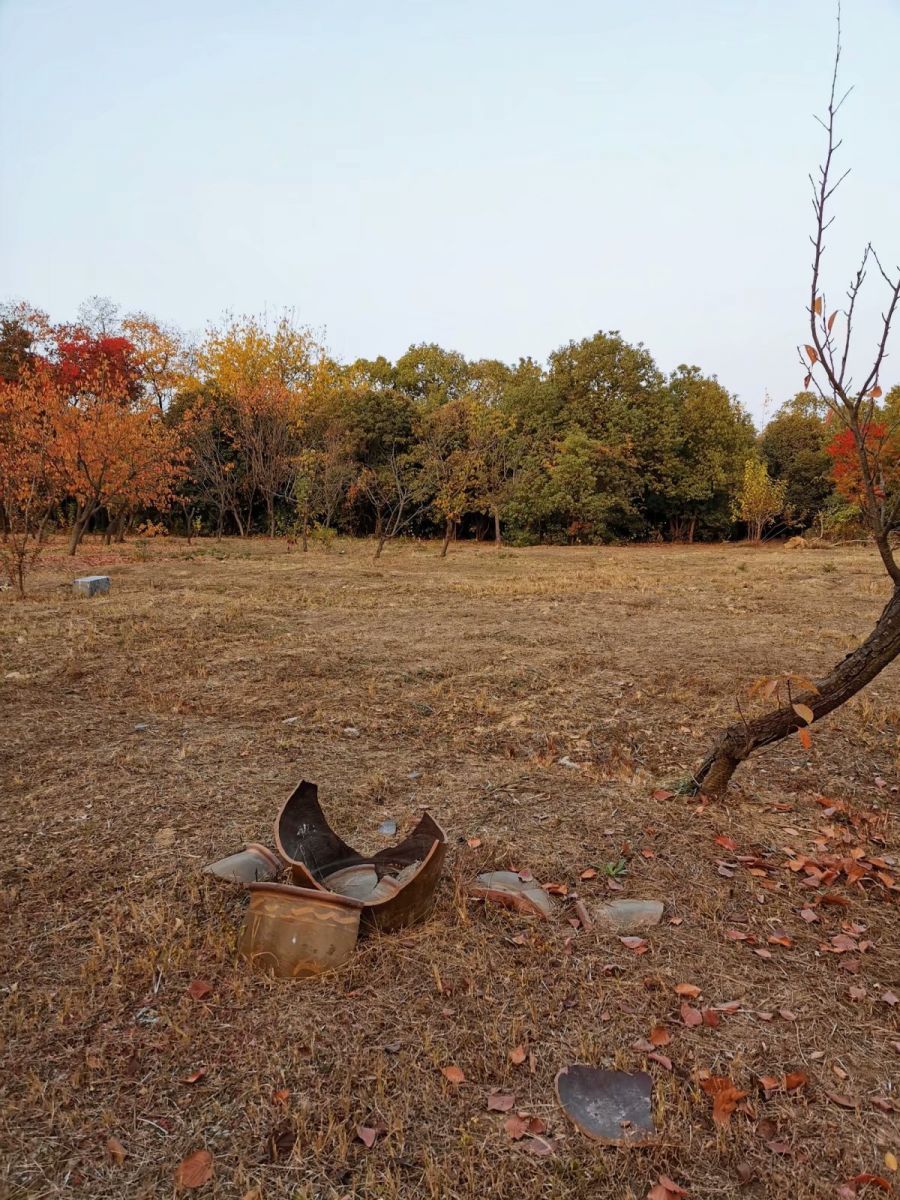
30	483
851	403
759	500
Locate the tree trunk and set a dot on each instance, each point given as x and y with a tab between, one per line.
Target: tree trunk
691	528
270	507
497	535
305	535
380	545
448	533
851	674
82	516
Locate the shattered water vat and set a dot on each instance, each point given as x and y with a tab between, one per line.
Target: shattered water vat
406	875
506	888
611	1107
296	932
254	864
623	915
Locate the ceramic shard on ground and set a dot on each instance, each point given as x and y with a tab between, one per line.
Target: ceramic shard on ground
254	864
612	1107
506	888
623	915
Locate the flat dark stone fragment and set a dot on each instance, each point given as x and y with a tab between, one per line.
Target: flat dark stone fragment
611	1107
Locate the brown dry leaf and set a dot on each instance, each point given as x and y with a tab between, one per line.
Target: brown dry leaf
889	998
500	1101
194	1075
255	1193
726	842
453	1074
539	1146
691	1016
517	1055
660	1036
662	794
867	1177
808	915
473	843
890	1160
779	939
116	1150
831	321
818	306
367	1135
813	354
883	1104
804	712
637	945
662	1059
770	1083
735	935
688	989
666	1189
281	1096
842	1101
195	1170
588	873
724	1096
516	1127
199	989
794	1080
710	1018
805	737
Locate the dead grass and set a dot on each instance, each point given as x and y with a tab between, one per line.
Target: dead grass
455	685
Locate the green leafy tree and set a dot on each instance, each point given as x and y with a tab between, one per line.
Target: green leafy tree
793	446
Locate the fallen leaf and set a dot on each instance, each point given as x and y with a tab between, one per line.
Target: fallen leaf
282	1139
727	843
116	1150
843	1101
794	1080
539	1146
500	1101
710	1018
195	1170
367	1135
804	712
805	737
883	1104
473	842
517	1055
724	1096
194	1076
660	1036
687	989
735	935
636	944
662	1059
787	1015
808	915
515	1127
770	1083
691	1016
889	998
453	1074
779	939
589	873
199	989
890	1160
878	1180
281	1096
662	794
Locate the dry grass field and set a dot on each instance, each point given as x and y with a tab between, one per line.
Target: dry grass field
150	732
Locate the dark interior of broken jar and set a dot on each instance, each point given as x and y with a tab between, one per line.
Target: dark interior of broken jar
306	839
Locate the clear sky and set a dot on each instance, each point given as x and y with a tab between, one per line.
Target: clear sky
499	176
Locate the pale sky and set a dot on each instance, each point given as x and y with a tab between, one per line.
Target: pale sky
498	176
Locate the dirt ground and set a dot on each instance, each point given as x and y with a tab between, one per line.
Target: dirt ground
150	732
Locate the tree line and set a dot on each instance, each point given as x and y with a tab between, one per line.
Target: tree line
116	420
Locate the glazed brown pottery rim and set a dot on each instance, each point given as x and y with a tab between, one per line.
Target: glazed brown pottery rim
270	856
321	897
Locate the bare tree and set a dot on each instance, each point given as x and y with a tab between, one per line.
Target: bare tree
826	359
394	489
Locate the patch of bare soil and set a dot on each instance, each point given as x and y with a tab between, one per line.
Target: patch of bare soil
149	733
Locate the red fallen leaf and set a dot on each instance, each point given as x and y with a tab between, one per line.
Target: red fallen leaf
671	1186
842	942
660	1036
646	852
636	944
843	1101
662	794
281	1096
199	990
711	1018
724	1096
500	1101
883	1104
770	1083
889	998
794	1080
688	989
367	1135
473	842
195	1170
116	1150
831	898
779	939
808	915
691	1016
726	842
662	1059
556	889
517	1055
516	1127
589	873
453	1074
735	935
878	1180
194	1075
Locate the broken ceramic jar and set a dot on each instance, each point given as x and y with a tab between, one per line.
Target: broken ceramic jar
254	864
294	933
395	887
611	1107
511	891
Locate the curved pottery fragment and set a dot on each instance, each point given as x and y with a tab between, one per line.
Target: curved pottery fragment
507	889
254	864
297	932
611	1107
406	875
